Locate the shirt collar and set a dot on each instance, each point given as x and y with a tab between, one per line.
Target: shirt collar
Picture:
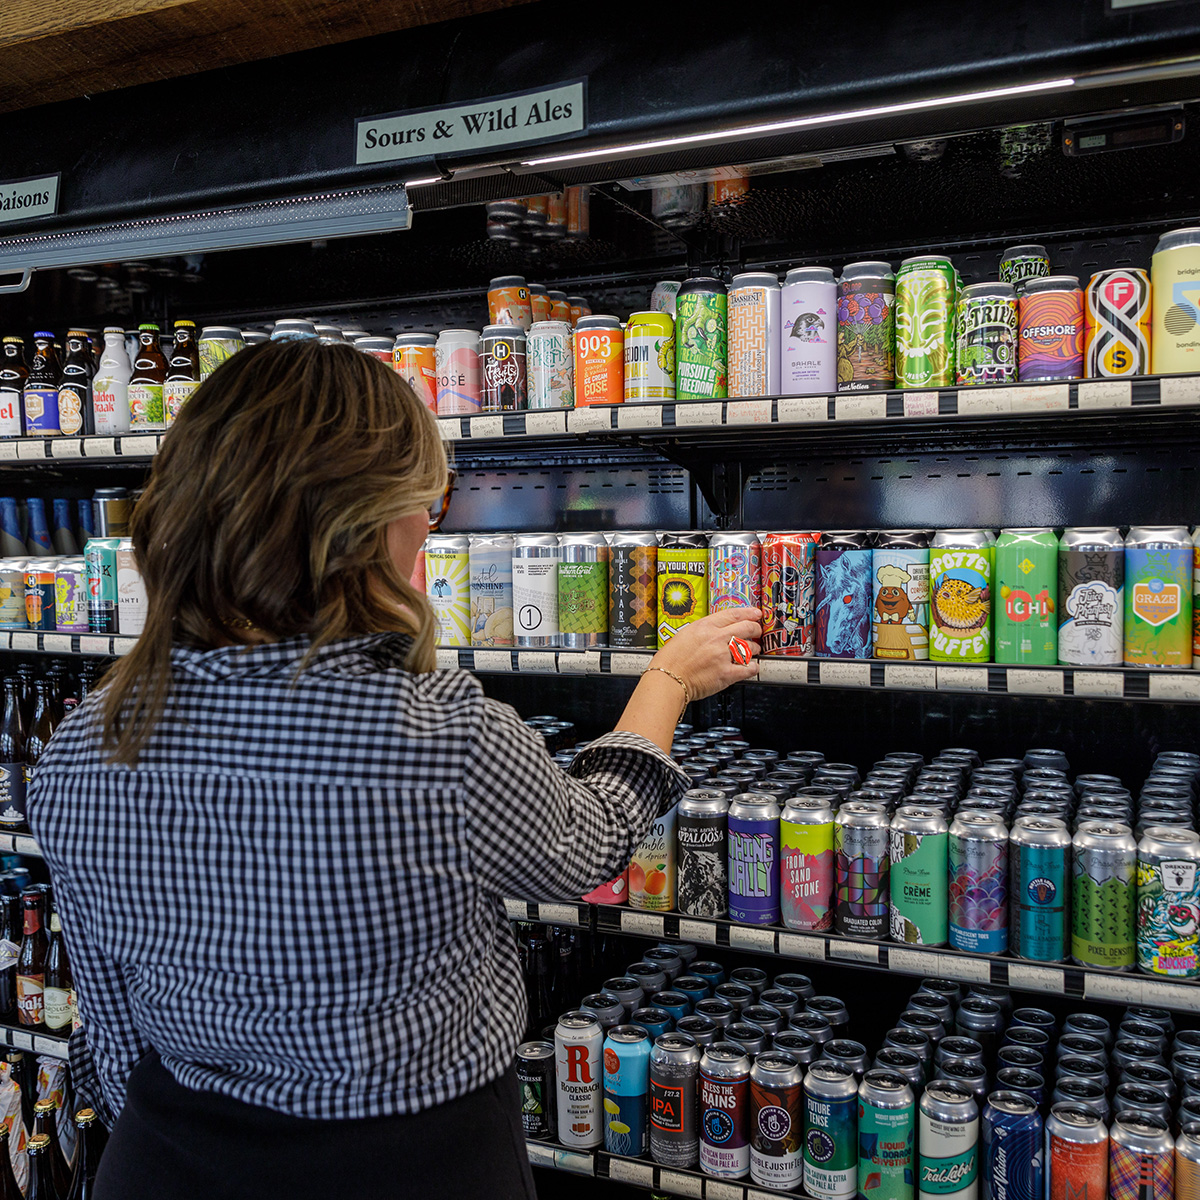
361	655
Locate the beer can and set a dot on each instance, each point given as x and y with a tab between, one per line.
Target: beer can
632	601
649	357
960	581
886	1133
866	327
918	863
926	292
579	211
539	303
502	368
537	210
1039	850
830	1133
626	1084
725	1111
1141	1162
535	1079
71	595
948	1143
807	870
703	1030
1103	895
1158	596
218	344
702	854
663	297
551	365
900	595
1168	902
808	332
681	588
701	355
789	594
1013	1150
414	359
490	557
1091	597
1050	312
448	586
583	590
652	868
734	571
535	562
674	1121
626	989
508	302
1026	615
861	837
978	874
580	308
677	206
100	555
456	358
599	361
754	316
754	859
578	1039
39	593
560	310
1175	271
987	334
12	595
1187	1162
1116	332
843	593
376	347
1021	263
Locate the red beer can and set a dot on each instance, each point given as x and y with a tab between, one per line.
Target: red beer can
789	594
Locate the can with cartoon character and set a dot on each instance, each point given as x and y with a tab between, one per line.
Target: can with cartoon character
900	595
1168	902
789	594
960	598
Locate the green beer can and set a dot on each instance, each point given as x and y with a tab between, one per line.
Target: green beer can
1026	626
919	893
960	595
701	331
926	296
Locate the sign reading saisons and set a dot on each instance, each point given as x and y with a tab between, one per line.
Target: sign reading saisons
513	120
22	199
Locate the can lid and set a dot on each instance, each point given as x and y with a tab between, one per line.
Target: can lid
503	281
1026	248
491	332
1050	283
767	279
809	275
868	269
537	1049
996	289
537	289
210	331
415	339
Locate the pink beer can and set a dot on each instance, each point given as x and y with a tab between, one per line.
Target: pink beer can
734	571
414	359
458	375
789	594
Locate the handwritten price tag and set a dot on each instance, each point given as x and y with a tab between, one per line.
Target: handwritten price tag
540	1154
31	448
142	446
1179	389
539	662
447	658
639	416
750	937
24	641
56	643
451	428
493	660
962	679
516	910
66	448
123	645
911	962
698	412
627	663
1042	397
626	1170
748	412
574	663
798	945
845	674
546	424
975	970
1109	684
8	451
590	419
558	914
866	952
795	410
716	1190
99	447
859	408
675	1183
1036	979
783	670
697	931
490	426
1023	681
975	402
1105	393
1163	685
923	678
644	924
920	404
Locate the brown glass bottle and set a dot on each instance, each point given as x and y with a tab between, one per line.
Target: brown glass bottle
45	1121
10	947
60	984
12	760
41	1180
25	1077
13	373
147	381
90	1140
8	1181
75	386
183	370
41	728
31	962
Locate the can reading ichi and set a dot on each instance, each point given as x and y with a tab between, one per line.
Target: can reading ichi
1026	612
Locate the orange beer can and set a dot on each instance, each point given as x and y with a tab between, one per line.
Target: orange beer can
721	191
415	361
560	309
1116	334
539	300
537	210
579	211
599	361
508	302
556	213
579	308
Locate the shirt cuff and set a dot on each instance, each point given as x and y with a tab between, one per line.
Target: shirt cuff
610	754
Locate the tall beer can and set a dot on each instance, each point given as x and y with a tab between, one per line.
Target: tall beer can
1141	1163
701	355
1021	263
830	1133
663	297
734	571
1116	332
674	1084
960	582
701	855
861	839
1039	853
866	327
918	852
491	589
1013	1150
1026	616
458	381
626	1084
218	344
886	1133
100	555
535	589
1187	1161
583	590
578	1039
1175	275
1076	1156
652	870
414	359
1091	597
725	1111
753	848
807	870
1158	596
1168	900
1103	895
789	594
448	586
551	365
579	211
682	582
926	294
508	302
844	594
632	603
502	367
808	332
754	307
948	1143
649	357
900	592
978	874
986	334
539	1092
1050	316
599	361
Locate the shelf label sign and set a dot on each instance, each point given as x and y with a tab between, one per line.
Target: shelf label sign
515	119
24	199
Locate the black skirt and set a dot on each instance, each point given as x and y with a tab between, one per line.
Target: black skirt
171	1142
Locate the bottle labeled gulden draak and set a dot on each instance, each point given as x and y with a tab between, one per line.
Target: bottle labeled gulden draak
12	760
31	962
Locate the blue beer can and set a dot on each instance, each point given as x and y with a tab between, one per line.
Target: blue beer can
753	848
626	1086
655	1021
1012	1148
843	561
1039	888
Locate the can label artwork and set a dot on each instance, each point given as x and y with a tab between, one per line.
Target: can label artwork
1175	346
145	405
448	586
978	877
41	410
1158	606
652	868
626	1081
214	351
806	892
1051	335
866	346
862	881
1168	919
673	1135
843	602
1040	880
735	576
925	299
650	357
776	1155
12	597
458	382
39	596
1076	1170
1026	616
1017	268
492	595
1117	324
1091	600
132	602
960	605
949	1162
681	589
551	365
1195	605
100	554
830	1147
1103	905
700	346
987	340
70	597
535	598
1012	1160
583	596
885	1152
753	341
918	888
503	366
789	594
599	365
724	1126
703	885
900	611
632	604
1140	1176
753	871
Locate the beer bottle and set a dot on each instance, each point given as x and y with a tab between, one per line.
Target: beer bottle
10	947
110	388
8	1181
60	985
18	1072
13	373
26	675
41	1179
31	962
90	1140
146	383
12	760
75	386
183	371
45	1121
40	392
41	730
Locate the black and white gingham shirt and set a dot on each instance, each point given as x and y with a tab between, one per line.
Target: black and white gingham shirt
295	897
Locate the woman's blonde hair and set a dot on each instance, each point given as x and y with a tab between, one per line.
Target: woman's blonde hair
269	506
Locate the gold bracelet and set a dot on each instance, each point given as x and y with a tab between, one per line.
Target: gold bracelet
687	692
